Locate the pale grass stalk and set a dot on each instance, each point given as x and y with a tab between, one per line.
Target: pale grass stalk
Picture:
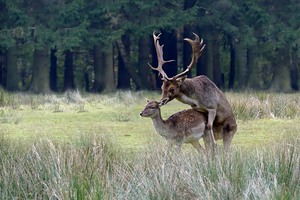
90	169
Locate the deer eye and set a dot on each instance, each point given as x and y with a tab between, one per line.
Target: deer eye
171	90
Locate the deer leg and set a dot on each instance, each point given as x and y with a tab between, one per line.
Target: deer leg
197	146
209	146
211	117
227	138
207	142
228	132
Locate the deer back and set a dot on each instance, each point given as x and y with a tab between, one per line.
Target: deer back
184	122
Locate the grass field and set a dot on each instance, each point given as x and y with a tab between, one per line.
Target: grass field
85	146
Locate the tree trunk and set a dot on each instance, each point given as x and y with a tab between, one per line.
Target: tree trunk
123	74
294	71
53	70
187	33
209	58
232	67
241	65
2	67
40	71
132	71
86	81
281	80
169	40
13	77
252	80
148	77
189	4
69	71
98	85
217	73
109	81
202	62
187	50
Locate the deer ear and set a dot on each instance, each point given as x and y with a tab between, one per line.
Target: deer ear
180	80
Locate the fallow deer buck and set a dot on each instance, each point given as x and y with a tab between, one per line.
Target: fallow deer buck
199	92
186	126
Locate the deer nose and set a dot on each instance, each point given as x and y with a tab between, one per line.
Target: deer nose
141	113
164	101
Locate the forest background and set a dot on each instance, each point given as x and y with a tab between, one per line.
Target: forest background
105	45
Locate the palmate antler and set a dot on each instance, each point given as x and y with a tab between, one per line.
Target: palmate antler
197	48
159	53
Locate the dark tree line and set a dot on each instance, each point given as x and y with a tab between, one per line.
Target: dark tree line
101	45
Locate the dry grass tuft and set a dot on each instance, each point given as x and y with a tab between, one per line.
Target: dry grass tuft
261	105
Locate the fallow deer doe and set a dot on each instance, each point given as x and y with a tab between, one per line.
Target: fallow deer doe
199	92
186	126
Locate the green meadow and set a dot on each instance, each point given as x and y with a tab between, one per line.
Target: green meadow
89	146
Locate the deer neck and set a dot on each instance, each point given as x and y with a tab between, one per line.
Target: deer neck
161	126
187	91
187	88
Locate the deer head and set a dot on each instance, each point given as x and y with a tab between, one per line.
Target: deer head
171	86
151	109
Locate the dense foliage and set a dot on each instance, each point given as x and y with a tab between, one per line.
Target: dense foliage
103	45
